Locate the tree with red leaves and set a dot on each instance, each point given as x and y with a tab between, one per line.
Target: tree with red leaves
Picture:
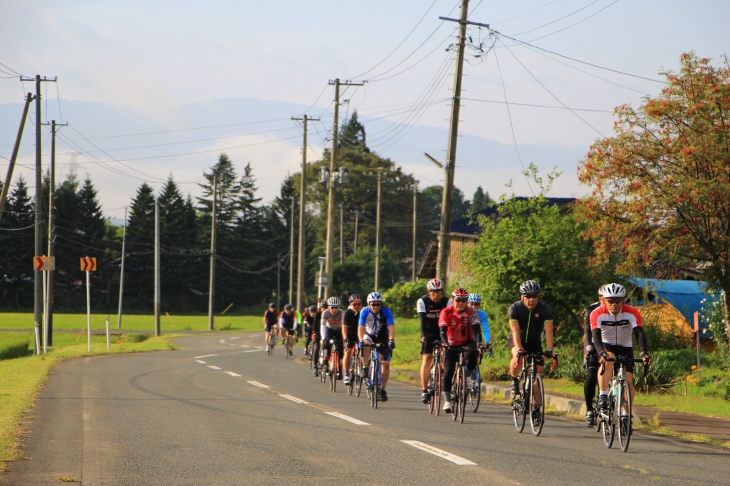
661	185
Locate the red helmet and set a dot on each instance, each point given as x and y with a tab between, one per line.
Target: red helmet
460	294
435	284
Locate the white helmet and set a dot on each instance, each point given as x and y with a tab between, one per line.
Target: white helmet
375	297
435	284
614	290
333	302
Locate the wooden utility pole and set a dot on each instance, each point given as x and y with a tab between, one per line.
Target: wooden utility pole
121	271
354	243
14	155
211	287
302	206
377	239
342	227
442	266
291	253
158	270
413	271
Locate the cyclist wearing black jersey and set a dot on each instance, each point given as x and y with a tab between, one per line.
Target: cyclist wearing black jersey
590	360
317	337
349	332
528	317
309	319
429	308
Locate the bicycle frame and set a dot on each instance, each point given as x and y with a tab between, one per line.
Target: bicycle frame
620	403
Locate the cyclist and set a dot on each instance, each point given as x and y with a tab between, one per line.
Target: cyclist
457	324
611	325
429	308
331	327
590	360
270	323
301	321
317	336
475	302
309	321
376	326
349	332
528	318
288	325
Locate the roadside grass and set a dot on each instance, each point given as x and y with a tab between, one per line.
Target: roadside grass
23	377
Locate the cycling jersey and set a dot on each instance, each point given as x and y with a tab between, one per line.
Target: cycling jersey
485	325
332	324
288	321
351	323
457	328
376	324
615	329
531	322
428	313
270	317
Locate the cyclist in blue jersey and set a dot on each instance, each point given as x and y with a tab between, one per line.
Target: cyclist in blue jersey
475	301
376	326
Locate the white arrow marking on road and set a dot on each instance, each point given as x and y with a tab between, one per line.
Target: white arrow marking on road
213	367
205	356
256	383
200	361
293	399
349	419
438	452
232	373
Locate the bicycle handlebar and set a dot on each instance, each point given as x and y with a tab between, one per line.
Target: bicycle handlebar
624	359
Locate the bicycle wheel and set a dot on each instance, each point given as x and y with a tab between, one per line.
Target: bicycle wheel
310	346
322	374
358	374
624	415
456	392
519	405
375	384
462	395
334	370
351	373
272	343
286	348
537	406
432	386
608	424
475	391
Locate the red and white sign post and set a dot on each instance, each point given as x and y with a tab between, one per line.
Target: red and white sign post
44	264
88	265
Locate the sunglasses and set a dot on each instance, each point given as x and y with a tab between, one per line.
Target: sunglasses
375	304
334	307
461	299
356	304
532	296
614	300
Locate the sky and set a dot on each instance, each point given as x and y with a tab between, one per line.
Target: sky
546	73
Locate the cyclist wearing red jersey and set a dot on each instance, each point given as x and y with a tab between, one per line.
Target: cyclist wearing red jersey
612	325
456	326
429	309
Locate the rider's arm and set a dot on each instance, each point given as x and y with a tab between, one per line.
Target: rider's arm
361	323
444	326
596	330
641	339
549	334
587	334
515	329
390	322
421	310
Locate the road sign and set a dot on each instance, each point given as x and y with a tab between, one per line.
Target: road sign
88	264
44	263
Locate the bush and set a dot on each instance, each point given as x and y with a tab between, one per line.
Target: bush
712	315
401	298
663	374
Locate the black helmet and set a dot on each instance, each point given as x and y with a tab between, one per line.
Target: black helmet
288	307
312	308
272	305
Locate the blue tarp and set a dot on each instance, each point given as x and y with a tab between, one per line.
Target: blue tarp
685	295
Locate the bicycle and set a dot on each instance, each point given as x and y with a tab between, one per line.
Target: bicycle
532	396
434	382
310	352
272	343
619	404
354	372
335	365
374	381
458	387
287	346
474	386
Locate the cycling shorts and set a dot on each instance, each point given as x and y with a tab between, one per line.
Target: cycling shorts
289	330
384	353
429	346
270	327
621	351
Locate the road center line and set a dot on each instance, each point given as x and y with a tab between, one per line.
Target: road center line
232	373
256	383
293	399
200	361
213	367
254	350
245	346
345	417
235	337
438	452
205	356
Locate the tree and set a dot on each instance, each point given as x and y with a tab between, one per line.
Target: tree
661	185
459	204
352	134
139	263
530	239
17	240
481	200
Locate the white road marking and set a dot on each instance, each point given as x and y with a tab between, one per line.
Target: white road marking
232	373
438	452
222	341
200	361
254	350
205	356
213	367
293	399
256	383
235	337
349	419
245	346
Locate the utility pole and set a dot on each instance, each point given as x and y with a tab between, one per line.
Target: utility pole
121	273
37	275
377	239
291	254
342	227
157	267
413	272
442	266
211	287
331	192
354	243
14	156
302	205
51	232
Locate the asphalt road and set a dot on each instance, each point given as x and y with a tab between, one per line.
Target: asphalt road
223	412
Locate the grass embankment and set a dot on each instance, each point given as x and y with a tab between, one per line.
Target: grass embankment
22	374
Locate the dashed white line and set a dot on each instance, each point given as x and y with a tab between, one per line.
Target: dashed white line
256	383
222	341
254	350
293	399
349	419
235	337
232	373
200	361
245	346
205	356
438	452
213	367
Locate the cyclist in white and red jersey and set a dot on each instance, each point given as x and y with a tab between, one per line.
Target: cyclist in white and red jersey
612	325
456	326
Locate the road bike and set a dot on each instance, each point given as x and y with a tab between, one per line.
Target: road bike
458	387
287	346
272	343
354	371
531	399
474	383
310	352
335	365
434	382
619	404
374	381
